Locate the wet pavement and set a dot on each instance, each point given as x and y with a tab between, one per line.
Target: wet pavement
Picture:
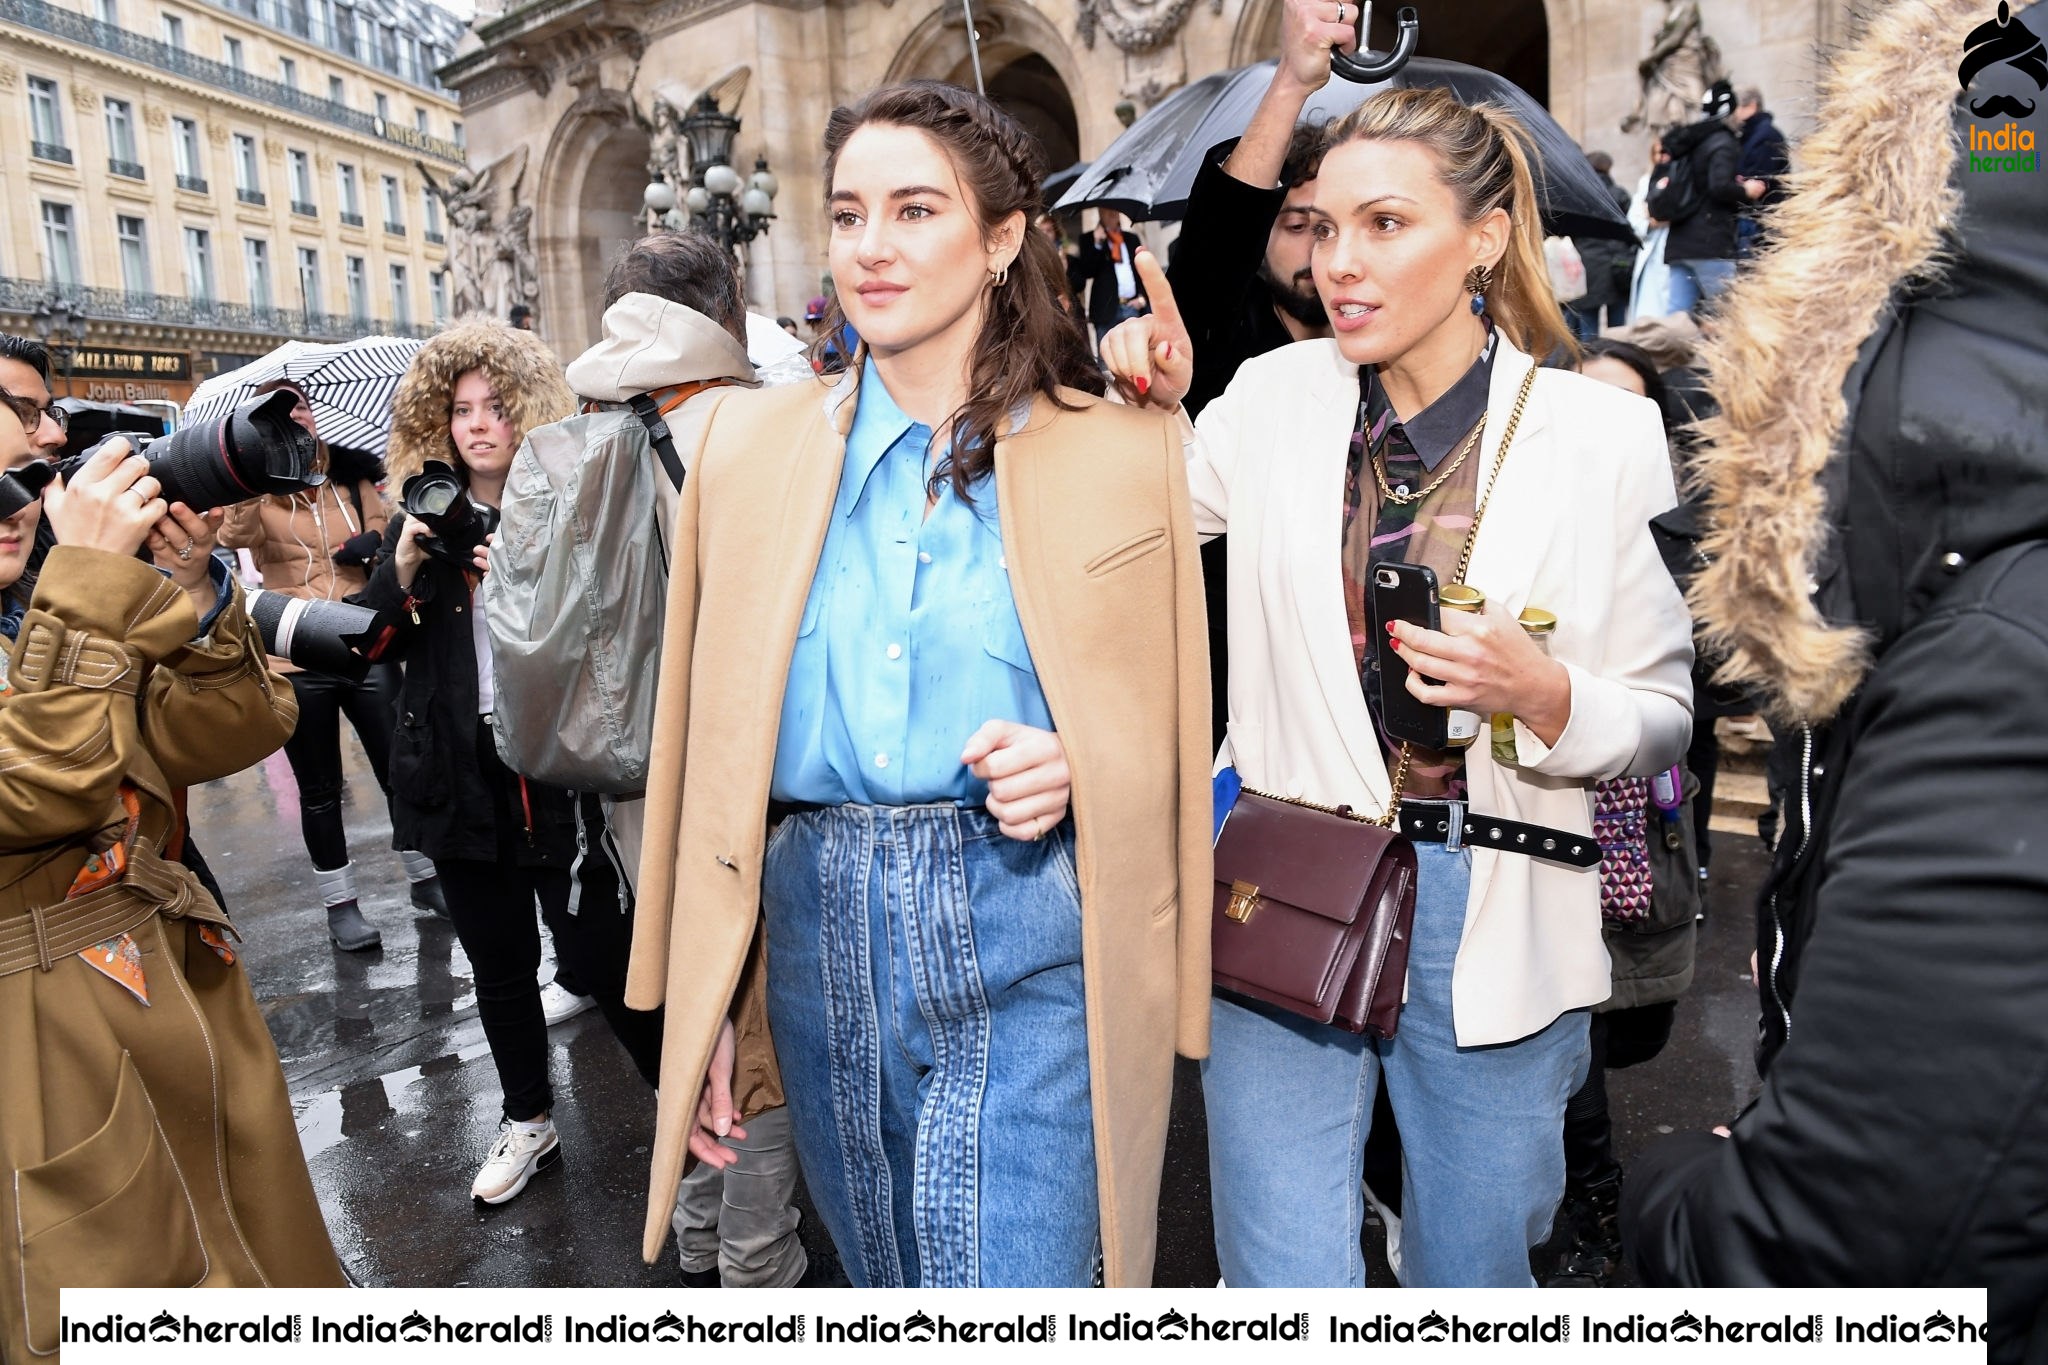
397	1101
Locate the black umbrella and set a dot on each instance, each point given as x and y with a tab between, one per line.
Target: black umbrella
1148	172
1058	182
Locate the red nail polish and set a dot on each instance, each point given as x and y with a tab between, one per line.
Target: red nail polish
1396	644
1141	383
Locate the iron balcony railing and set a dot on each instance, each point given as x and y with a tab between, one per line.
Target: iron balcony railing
350	219
256	197
134	47
395	229
194	183
304	209
434	238
23	297
131	170
50	151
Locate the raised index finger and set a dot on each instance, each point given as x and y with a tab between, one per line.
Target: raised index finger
1153	276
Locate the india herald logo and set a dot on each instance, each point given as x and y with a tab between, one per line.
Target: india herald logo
2003	42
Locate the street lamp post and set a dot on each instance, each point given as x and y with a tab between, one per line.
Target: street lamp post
59	320
719	202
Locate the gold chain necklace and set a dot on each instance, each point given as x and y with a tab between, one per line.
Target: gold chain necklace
1403	499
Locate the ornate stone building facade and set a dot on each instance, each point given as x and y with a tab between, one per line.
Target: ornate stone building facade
574	81
185	183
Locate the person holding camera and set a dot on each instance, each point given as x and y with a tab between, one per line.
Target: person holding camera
317	544
500	841
146	1132
1423	434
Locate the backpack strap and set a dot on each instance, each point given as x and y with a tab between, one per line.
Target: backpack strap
651	409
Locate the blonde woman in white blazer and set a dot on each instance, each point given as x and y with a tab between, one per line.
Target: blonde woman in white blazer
1429	258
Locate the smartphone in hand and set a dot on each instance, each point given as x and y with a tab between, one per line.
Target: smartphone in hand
1405	592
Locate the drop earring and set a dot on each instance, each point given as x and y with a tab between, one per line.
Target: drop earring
1478	280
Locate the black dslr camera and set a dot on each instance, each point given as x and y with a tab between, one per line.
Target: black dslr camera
436	496
254	449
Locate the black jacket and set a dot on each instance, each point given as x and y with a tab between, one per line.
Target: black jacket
1093	267
1764	157
1712	152
1901	1135
1216	260
1609	264
440	800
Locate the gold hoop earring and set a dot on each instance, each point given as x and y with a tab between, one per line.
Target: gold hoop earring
998	278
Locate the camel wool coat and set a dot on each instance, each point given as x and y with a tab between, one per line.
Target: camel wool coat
1098	534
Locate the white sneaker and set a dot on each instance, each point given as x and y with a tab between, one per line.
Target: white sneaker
518	1154
559	1004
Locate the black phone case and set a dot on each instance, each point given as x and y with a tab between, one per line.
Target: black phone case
1412	598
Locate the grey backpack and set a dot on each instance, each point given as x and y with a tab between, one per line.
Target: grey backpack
575	597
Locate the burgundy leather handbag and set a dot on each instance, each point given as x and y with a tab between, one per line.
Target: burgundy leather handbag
1315	908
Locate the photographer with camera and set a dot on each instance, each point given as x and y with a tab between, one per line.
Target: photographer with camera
499	840
317	545
146	1132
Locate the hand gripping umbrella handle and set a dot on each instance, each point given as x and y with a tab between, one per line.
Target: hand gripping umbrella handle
1363	66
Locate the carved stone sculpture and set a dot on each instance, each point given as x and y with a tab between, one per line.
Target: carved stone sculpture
1681	63
491	262
1133	25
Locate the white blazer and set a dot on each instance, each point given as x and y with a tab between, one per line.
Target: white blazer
1567	531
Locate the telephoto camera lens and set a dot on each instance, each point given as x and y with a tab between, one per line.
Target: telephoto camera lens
435	496
255	449
325	637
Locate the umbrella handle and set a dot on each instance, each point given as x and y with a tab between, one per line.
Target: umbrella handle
1365	68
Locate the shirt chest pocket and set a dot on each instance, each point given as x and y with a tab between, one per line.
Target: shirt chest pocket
1002	633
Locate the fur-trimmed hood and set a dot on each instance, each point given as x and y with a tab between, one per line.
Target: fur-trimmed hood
1902	290
527	377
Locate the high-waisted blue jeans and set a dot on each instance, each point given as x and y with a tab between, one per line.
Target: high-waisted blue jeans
924	987
1482	1128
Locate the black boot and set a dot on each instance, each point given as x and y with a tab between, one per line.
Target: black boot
349	930
1592	1258
426	895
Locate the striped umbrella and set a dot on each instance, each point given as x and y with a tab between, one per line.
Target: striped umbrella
350	385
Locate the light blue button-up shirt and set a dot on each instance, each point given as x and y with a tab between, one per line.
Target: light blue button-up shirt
910	639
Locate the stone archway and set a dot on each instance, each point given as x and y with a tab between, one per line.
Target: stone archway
1514	38
1026	67
589	207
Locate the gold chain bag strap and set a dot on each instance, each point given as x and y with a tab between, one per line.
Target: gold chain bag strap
1315	905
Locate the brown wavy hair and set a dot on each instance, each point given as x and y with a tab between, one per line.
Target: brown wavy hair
527	376
1484	155
1028	344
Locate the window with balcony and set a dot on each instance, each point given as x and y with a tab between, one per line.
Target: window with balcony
60	245
430	216
288	73
294	17
301	169
437	295
419	119
121	140
132	238
185	155
455	135
248	171
351	197
107	12
256	266
198	263
46	121
174	31
309	280
231	52
346	35
401	297
394	206
355	277
383	102
337	91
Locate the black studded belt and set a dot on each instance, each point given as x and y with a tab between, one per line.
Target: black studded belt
1455	825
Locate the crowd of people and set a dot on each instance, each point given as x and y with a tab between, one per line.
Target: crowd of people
917	896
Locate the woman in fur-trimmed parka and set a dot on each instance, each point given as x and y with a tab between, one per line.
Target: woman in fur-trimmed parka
1878	488
498	840
146	1135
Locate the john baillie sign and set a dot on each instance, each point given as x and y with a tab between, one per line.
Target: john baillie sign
99	362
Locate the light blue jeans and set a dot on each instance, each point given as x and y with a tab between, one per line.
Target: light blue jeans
1290	1104
1696	282
924	987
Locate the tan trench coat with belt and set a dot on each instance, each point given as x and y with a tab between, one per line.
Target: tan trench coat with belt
140	1145
1100	544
